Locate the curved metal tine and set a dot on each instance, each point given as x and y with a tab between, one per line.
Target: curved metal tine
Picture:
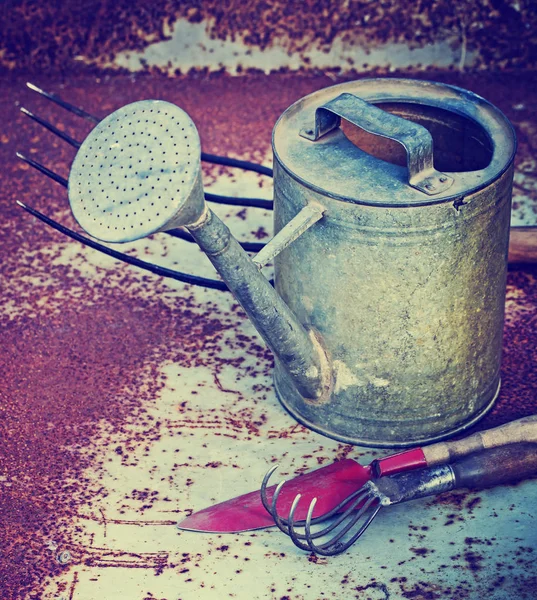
302	522
248	246
358	496
271	507
214	284
216	198
295	537
249	202
334	546
350	522
66	105
277	519
184	235
263	491
61	134
212	158
240	164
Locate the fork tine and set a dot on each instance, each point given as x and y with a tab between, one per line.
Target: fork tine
42	169
362	529
66	105
349	525
248	246
271	507
126	258
184	235
358	499
335	546
295	537
211	158
61	134
358	496
333	511
277	519
301	523
263	491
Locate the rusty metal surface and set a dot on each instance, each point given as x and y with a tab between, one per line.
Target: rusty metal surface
172	35
104	450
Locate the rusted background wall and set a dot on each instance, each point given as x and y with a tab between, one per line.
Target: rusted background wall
59	36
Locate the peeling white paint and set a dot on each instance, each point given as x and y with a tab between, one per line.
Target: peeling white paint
312	372
379	382
344	377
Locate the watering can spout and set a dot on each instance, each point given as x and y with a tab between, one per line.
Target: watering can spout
298	349
139	172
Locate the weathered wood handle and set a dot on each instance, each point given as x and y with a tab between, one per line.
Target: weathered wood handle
497	466
522	430
523	245
480	470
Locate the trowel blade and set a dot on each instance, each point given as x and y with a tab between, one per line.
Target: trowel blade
330	485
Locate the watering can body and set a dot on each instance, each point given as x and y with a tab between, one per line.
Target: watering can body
392	204
406	289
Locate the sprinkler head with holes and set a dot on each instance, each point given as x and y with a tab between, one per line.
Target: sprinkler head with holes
138	172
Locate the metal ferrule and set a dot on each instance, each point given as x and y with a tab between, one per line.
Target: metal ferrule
415	484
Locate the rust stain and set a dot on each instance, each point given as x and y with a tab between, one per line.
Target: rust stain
73	585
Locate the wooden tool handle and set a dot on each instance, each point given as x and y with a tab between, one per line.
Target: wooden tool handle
494	467
480	470
522	430
523	245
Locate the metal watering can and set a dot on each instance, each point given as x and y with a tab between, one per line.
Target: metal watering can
392	205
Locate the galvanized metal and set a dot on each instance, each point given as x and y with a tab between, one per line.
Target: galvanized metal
307	217
139	172
406	289
296	346
415	139
462	545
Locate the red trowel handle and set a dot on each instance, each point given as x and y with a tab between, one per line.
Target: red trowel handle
397	463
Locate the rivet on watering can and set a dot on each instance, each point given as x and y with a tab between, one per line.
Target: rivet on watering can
443	179
431	187
64	557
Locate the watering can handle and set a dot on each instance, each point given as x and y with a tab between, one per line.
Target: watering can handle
416	140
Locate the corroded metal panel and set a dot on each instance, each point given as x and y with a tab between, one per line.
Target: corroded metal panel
128	401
